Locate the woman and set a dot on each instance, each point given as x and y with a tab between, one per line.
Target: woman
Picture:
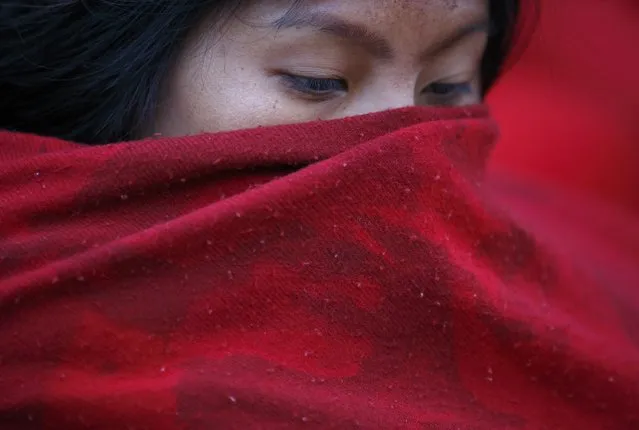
98	72
279	271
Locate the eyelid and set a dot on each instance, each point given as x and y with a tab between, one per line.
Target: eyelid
308	79
310	72
461	87
310	86
459	94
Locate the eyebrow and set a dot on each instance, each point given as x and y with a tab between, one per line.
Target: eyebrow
374	43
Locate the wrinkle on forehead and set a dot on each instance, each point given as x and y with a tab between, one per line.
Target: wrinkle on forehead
370	6
449	4
400	11
398	20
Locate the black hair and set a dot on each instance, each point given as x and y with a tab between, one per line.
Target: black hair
90	71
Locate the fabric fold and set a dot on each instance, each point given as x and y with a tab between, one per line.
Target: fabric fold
337	274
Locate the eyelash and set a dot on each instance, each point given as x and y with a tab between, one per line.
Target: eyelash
440	93
447	93
320	88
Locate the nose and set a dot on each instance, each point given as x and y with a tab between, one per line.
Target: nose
379	98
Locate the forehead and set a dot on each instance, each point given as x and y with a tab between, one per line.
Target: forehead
419	11
402	26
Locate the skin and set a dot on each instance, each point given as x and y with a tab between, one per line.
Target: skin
272	64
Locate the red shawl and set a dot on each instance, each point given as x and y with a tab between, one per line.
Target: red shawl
344	274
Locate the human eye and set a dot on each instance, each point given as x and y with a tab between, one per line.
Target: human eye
448	93
315	88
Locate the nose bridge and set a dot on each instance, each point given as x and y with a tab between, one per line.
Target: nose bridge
382	96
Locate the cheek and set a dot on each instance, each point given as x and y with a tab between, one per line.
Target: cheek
221	99
254	102
228	95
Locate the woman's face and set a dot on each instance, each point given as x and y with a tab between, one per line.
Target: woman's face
321	59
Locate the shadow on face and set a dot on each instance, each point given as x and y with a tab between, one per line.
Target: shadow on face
280	61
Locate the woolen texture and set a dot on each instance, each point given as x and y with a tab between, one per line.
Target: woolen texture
344	274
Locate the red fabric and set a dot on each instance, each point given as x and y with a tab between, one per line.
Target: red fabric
567	109
344	274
